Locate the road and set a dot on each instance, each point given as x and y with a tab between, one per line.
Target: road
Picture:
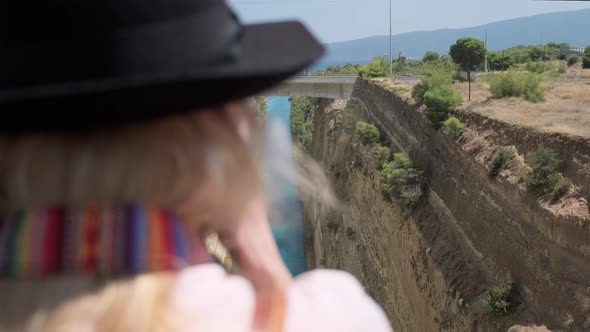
344	78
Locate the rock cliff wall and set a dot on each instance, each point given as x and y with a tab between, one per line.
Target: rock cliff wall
431	268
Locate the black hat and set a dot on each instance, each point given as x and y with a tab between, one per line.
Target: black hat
78	64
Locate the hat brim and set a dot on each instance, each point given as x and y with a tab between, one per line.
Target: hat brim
270	53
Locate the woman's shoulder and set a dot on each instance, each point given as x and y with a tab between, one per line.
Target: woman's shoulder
206	298
320	300
326	300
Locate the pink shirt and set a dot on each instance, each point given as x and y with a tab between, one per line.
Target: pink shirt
206	298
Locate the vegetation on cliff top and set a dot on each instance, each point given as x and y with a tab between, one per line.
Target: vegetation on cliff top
369	135
436	92
401	181
301	121
436	77
516	84
378	67
441	102
499	160
545	177
454	127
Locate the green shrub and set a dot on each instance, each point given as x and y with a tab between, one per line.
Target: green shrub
441	101
430	56
505	85
538	67
402	182
573	59
513	84
461	76
500	158
500	61
454	127
436	77
378	67
586	58
586	61
500	299
300	120
544	176
367	133
533	91
380	155
399	90
562	186
535	94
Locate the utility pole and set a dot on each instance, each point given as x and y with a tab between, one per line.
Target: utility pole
390	50
399	62
543	44
486	47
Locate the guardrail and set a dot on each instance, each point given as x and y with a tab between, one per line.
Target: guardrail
308	78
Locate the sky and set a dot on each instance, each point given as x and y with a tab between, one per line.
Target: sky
340	20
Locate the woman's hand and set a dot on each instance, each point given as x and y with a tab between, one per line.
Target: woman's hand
252	246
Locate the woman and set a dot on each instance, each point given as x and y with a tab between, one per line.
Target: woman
124	144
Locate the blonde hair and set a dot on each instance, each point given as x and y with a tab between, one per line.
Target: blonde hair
193	163
202	165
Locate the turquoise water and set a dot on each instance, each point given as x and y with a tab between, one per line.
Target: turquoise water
286	216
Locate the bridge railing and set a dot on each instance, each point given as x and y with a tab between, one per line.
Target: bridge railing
324	73
323	79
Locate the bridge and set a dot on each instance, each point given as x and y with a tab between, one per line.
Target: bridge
333	87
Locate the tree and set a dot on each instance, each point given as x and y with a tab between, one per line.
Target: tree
349	68
520	53
300	119
536	53
440	101
586	58
402	181
430	56
500	61
553	52
367	133
437	77
469	53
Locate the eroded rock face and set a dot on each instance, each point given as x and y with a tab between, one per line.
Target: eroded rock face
518	328
431	269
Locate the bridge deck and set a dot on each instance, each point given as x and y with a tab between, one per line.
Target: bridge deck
333	87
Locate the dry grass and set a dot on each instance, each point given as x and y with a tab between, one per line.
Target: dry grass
400	88
566	109
576	73
480	91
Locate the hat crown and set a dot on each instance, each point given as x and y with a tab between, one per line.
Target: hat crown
63	41
71	65
69	18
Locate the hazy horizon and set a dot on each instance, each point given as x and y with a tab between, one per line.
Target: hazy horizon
349	20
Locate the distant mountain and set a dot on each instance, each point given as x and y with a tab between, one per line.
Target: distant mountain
571	27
